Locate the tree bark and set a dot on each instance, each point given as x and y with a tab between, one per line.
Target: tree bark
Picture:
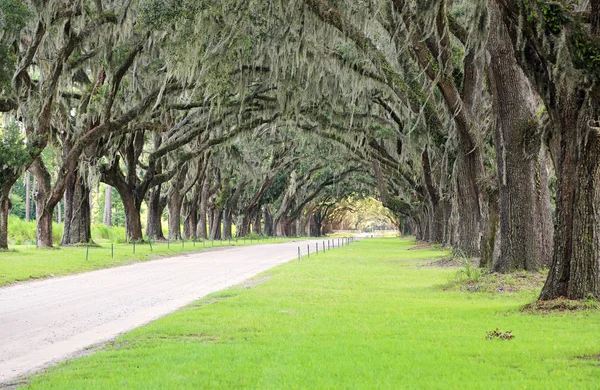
227	228
524	202
436	214
78	215
44	210
574	272
268	218
133	223
202	220
156	206
215	225
174	206
256	225
4	210
190	220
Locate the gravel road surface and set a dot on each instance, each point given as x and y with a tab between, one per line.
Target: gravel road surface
44	322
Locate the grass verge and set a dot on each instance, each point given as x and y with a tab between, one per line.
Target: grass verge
365	316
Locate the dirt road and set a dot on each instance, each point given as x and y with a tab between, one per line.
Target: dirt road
44	322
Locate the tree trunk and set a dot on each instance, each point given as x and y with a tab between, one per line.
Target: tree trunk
227	214
244	228
133	223
468	210
156	207
4	210
436	212
524	201
44	226
107	216
574	272
202	222
191	219
256	226
174	206
43	210
215	226
268	218
78	216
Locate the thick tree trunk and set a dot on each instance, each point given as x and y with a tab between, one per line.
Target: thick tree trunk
44	226
43	210
191	219
436	212
156	207
268	218
244	227
133	223
215	225
107	216
574	272
227	214
174	206
524	202
78	216
256	225
468	210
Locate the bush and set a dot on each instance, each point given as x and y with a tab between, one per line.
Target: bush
101	232
468	273
22	232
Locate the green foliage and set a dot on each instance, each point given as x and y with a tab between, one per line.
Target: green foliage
13	151
13	17
554	15
586	52
159	14
18	205
22	232
468	273
101	232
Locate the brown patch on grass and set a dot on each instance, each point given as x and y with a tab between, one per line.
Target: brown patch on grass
496	283
595	357
444	262
561	305
420	245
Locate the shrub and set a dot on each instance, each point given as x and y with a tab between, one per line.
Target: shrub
22	232
468	273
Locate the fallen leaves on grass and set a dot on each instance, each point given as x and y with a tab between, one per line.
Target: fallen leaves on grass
497	334
496	283
561	305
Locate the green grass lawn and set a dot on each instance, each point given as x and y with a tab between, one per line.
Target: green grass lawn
365	316
25	262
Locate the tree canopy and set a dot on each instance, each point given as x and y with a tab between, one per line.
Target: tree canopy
475	123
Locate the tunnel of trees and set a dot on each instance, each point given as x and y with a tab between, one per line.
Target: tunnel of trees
474	122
